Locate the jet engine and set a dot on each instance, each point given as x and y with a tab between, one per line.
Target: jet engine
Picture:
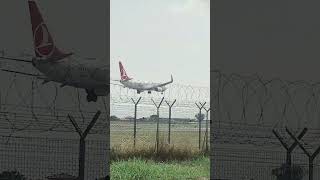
101	92
160	89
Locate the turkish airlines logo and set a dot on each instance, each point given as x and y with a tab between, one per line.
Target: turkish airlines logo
43	42
123	74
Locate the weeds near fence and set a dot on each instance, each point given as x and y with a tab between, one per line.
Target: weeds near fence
165	153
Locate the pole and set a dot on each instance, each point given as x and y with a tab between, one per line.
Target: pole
82	154
206	135
310	156
157	133
170	108
310	168
288	148
135	121
200	108
82	144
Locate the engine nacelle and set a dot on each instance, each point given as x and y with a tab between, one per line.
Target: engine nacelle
160	89
101	92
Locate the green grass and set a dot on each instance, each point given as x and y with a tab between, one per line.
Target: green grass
132	169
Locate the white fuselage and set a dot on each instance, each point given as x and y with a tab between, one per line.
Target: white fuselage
141	86
71	72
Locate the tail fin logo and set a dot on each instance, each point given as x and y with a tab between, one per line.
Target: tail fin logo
123	73
44	45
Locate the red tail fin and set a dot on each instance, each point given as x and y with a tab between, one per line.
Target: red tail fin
44	46
123	73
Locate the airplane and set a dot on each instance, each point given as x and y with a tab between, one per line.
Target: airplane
61	67
127	82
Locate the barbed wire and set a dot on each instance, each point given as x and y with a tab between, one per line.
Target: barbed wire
185	95
247	109
256	100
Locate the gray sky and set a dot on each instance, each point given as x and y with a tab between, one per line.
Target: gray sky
154	38
274	38
81	29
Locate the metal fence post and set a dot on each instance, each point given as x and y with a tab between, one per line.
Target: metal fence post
135	121
170	108
157	133
288	148
207	130
82	145
309	154
200	108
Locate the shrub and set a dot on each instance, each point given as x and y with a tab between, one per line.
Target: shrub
282	173
11	175
165	152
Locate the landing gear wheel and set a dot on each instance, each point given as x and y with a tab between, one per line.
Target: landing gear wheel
88	98
149	92
95	98
91	96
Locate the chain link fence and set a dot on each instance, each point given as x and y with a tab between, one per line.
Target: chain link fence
38	158
182	134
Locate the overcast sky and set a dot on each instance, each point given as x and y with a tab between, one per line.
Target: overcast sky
156	38
81	29
273	38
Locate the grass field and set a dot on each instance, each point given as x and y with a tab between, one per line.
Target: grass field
132	169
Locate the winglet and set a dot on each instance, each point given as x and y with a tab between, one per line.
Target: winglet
171	78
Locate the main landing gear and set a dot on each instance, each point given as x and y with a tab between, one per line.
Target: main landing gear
91	95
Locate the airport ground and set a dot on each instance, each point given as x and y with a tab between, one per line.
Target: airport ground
182	134
179	160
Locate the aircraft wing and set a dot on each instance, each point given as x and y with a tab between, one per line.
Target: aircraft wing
16	59
26	74
162	84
